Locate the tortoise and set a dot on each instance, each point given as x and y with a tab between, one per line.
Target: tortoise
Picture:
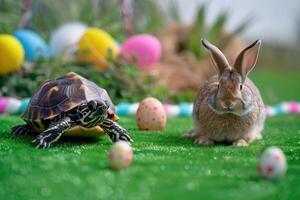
67	105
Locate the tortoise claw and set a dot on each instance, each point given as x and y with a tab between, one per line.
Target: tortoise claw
19	130
40	143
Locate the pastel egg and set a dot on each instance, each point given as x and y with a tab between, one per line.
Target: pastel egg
151	115
34	45
11	54
143	50
120	155
272	164
96	46
66	37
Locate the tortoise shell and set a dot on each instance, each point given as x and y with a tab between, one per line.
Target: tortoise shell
62	94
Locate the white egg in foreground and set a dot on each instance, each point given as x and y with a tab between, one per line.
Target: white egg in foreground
272	163
120	155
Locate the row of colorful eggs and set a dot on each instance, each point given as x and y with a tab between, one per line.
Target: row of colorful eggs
91	45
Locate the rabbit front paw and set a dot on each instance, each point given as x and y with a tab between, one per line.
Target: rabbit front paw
240	143
204	141
190	134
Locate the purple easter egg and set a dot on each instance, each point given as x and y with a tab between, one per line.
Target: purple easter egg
143	50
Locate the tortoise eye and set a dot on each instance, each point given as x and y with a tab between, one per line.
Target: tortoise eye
92	105
241	86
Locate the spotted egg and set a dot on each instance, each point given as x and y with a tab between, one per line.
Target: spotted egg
120	155
151	115
272	163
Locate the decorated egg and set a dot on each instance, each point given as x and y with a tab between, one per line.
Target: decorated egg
120	155
66	37
143	50
151	115
35	47
272	163
95	46
11	54
9	105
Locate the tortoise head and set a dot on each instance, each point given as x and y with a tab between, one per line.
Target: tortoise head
93	113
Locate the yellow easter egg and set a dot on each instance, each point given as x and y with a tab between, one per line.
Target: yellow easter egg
95	46
11	54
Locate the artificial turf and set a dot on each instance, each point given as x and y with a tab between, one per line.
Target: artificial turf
165	166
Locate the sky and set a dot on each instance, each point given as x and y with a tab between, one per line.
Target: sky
274	21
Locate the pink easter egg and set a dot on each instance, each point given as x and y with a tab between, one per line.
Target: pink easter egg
143	50
151	115
3	104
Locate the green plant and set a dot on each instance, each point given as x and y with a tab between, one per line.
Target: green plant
123	81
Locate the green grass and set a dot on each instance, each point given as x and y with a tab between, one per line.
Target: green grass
165	166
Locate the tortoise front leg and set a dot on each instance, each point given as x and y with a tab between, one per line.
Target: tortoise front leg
115	131
22	130
53	133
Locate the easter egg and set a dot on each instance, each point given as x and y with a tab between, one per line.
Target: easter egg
13	105
35	47
120	155
95	46
272	163
151	115
143	50
66	37
11	54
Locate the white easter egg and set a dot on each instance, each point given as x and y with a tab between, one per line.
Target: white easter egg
120	155
151	115
272	163
66	37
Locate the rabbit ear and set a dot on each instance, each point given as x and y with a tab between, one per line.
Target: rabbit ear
216	55
246	60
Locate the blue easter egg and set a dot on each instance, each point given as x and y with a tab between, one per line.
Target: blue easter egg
186	109
123	109
35	47
24	105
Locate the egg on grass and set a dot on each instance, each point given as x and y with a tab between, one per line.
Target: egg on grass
151	115
120	155
272	164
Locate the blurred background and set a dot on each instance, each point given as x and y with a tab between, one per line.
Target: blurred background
182	64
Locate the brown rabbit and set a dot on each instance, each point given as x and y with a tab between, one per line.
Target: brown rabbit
229	107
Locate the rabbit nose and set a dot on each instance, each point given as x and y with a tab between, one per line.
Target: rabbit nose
228	105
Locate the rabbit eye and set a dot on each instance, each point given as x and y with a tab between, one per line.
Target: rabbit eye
241	86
